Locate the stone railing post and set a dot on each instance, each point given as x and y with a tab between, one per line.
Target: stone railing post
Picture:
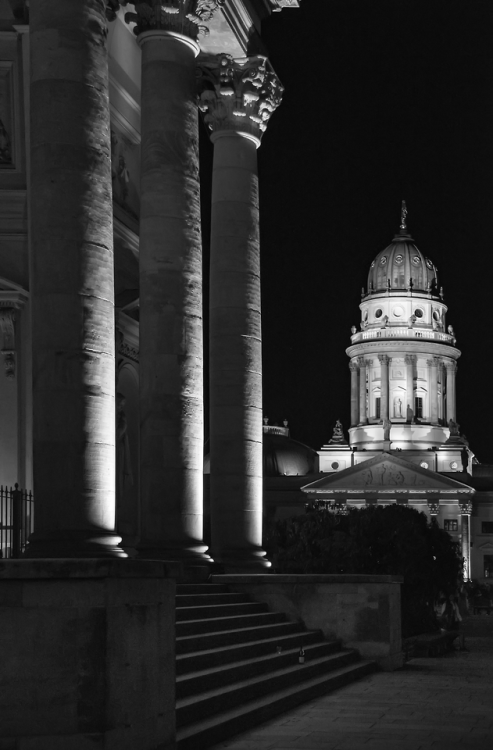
72	283
237	98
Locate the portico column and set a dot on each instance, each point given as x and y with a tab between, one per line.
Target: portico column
465	516
237	98
354	393
451	368
170	267
384	382
410	359
363	419
433	383
72	283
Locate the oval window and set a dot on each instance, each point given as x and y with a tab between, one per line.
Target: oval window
416	260
335	465
436	315
379	313
372	264
418	312
398	259
453	465
365	315
383	260
429	264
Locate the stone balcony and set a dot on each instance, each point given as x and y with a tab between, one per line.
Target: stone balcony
402	332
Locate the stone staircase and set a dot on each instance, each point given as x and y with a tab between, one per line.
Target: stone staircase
237	664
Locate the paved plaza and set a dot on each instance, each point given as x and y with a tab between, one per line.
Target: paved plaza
443	703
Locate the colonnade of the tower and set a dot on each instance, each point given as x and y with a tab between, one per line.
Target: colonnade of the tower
74	376
440	386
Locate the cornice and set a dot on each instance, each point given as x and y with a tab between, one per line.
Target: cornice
424	348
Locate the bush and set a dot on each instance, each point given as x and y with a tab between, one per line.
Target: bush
393	539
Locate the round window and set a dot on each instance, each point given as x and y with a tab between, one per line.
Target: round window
424	465
379	313
335	465
398	312
429	264
436	315
453	465
383	260
418	312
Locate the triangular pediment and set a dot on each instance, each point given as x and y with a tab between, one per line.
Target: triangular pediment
386	472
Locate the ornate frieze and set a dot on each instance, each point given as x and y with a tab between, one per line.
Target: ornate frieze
434	508
465	509
238	94
187	17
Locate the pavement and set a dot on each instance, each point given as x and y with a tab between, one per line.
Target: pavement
442	703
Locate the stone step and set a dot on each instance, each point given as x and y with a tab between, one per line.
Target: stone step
184	614
219	624
198	600
217	700
188	589
215	657
193	683
207	731
206	641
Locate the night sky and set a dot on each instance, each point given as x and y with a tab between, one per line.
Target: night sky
385	100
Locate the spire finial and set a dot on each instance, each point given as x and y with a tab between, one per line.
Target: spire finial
403	215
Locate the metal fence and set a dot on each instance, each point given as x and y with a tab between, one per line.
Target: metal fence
16	520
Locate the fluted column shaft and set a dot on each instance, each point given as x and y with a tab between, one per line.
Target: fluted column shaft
363	419
237	98
354	394
433	381
384	382
410	360
72	282
451	368
466	539
171	347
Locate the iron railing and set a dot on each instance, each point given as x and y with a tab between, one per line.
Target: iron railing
16	520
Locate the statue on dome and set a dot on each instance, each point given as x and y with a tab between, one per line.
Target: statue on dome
337	435
454	428
353	330
385	321
403	215
412	320
451	331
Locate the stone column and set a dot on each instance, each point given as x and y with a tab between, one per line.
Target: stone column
72	283
465	529
363	418
170	263
451	368
237	98
433	383
384	382
354	394
410	360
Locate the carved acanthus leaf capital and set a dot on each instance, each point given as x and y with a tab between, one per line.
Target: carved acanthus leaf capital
187	17
353	366
384	359
238	94
410	359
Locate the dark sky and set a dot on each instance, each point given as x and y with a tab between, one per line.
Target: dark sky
385	100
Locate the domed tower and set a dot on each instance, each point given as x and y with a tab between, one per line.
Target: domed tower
403	361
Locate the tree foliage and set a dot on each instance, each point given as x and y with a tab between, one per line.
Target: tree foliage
393	539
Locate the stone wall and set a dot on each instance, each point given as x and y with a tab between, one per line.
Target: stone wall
361	610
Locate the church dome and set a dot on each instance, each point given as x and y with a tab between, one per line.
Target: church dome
402	266
284	456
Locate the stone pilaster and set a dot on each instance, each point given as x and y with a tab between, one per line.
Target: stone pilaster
354	394
410	360
433	389
72	282
465	531
451	368
362	364
384	382
171	346
237	98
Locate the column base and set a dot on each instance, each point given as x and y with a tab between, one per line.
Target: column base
234	561
74	544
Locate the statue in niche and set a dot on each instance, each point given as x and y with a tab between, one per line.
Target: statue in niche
123	464
397	408
5	147
454	428
387	425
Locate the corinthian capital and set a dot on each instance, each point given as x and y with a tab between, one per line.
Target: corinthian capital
185	17
238	94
